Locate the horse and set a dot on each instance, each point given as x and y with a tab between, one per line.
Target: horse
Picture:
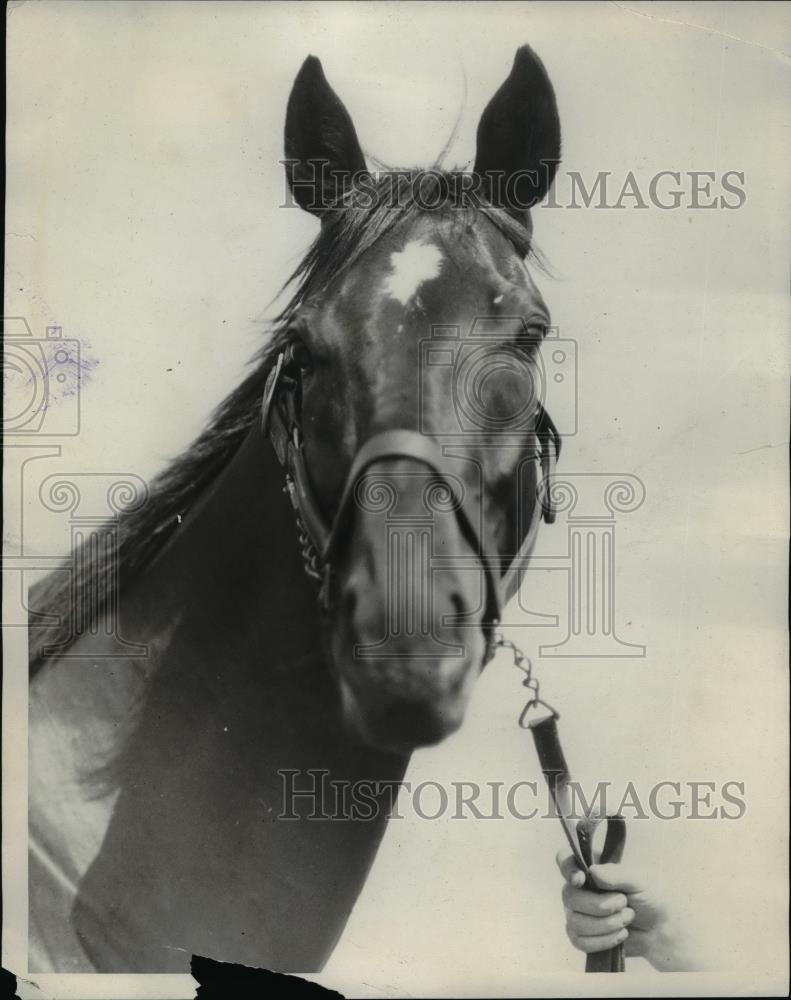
316	581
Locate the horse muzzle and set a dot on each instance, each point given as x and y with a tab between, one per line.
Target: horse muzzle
407	631
403	700
400	721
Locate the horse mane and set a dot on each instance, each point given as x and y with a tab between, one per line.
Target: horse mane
362	218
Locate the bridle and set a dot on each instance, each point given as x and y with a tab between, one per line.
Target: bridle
319	540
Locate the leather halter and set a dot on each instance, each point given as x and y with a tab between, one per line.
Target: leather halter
280	419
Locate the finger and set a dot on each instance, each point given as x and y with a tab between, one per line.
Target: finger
594	904
616	878
582	925
569	868
599	943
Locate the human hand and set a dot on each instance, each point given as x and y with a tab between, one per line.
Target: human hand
626	910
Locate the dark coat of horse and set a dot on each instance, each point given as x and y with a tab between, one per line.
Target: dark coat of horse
157	783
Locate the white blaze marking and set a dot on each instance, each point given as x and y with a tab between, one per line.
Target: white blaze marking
416	263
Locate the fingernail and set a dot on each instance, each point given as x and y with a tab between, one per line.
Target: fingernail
622	935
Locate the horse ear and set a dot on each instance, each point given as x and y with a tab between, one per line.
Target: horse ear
519	136
320	139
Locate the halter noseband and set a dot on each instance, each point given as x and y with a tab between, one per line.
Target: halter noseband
319	540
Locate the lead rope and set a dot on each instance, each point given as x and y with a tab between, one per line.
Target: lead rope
553	764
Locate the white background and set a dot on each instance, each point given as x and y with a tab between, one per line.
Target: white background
143	217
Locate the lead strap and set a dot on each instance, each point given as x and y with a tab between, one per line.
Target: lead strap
552	760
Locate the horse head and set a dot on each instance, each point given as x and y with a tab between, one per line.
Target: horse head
406	405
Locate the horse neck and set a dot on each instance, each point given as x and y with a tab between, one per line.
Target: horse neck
232	573
241	707
247	642
228	590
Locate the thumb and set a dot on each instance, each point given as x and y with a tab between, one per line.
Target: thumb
616	878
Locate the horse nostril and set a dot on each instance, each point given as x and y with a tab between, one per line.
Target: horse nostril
457	603
349	601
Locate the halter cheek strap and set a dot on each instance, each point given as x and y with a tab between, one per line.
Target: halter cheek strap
281	422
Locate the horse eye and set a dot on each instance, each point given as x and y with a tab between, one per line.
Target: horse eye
299	355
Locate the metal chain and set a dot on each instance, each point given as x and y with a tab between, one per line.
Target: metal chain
523	662
310	557
311	560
